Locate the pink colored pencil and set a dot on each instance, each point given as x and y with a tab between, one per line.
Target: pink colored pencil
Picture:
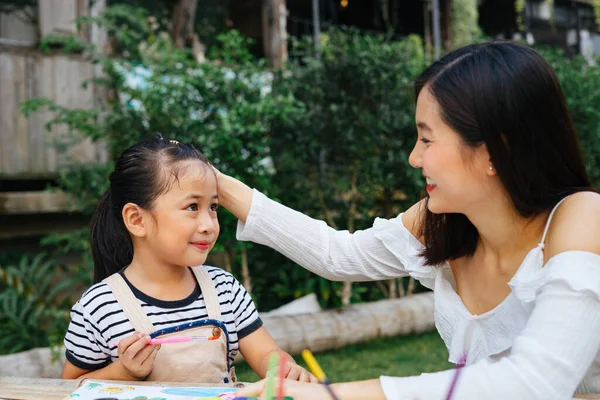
282	363
178	339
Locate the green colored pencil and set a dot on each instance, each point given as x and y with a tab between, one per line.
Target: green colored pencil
271	376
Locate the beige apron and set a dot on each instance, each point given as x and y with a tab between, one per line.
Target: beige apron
189	361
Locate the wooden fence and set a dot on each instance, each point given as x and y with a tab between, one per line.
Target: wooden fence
26	147
28	151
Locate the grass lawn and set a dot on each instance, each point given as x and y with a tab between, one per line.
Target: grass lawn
399	356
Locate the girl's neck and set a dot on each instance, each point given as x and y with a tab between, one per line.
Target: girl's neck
158	279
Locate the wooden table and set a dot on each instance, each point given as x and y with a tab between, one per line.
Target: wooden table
58	389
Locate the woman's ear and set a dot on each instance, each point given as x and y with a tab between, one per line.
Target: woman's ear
133	217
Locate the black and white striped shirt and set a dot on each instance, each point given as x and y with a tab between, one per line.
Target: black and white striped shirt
98	321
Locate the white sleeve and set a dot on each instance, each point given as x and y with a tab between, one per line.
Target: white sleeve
387	250
550	357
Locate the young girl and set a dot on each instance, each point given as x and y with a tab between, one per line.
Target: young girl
150	236
508	237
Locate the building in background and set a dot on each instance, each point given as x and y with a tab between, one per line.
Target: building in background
568	24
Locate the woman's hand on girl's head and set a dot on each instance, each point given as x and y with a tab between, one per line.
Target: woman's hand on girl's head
295	389
136	356
216	171
234	195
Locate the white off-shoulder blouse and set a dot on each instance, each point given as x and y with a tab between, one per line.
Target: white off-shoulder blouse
542	342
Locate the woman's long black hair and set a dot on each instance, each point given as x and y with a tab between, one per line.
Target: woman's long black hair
506	96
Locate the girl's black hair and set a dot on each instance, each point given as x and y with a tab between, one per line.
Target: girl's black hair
506	96
139	178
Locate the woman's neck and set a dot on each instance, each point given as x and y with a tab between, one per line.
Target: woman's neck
503	231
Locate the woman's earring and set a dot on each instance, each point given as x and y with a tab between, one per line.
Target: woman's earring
491	168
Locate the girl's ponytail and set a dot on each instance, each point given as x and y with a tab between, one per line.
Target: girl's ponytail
111	245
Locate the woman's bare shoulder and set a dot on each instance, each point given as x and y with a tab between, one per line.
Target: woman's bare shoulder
411	219
575	225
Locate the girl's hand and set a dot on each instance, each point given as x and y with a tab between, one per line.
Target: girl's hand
295	372
136	357
295	389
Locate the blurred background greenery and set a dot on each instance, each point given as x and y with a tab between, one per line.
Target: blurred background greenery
328	133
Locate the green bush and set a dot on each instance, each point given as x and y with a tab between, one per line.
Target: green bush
222	107
34	310
581	83
341	151
258	126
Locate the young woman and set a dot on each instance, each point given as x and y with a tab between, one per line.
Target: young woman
508	236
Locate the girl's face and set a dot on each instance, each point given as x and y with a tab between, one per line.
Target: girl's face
456	174
184	226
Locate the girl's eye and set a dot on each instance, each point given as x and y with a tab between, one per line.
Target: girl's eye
192	207
426	141
214	207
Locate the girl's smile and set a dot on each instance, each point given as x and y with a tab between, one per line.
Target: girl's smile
203	245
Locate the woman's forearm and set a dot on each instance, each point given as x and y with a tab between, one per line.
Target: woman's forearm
234	195
361	390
